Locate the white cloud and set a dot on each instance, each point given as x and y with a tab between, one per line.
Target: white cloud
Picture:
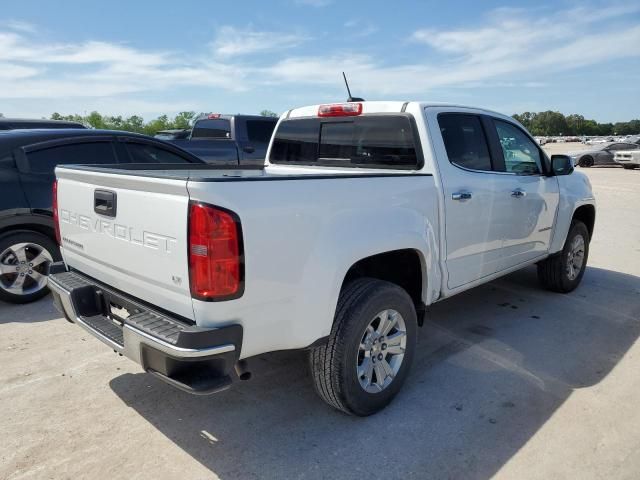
233	42
510	48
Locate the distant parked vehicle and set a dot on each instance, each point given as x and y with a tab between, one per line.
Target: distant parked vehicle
175	134
26	123
229	139
600	154
629	159
27	161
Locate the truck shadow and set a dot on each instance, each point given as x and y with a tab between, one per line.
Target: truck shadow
493	365
39	311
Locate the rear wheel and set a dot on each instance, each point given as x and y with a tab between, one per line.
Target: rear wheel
563	272
364	363
24	257
586	161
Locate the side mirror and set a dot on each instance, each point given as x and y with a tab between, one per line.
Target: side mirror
561	164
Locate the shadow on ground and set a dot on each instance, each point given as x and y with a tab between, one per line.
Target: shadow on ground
39	311
493	365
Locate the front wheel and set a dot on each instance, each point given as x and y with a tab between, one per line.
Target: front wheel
563	272
586	161
629	167
24	256
364	363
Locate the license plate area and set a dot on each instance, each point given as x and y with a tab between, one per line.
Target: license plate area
117	308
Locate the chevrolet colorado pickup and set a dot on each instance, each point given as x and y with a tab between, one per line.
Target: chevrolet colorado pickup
365	214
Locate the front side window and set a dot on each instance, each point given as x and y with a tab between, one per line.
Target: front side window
521	154
465	141
144	153
380	141
212	128
90	153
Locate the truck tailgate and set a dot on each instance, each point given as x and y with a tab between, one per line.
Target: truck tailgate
129	232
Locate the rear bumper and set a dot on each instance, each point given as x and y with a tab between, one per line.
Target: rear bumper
196	360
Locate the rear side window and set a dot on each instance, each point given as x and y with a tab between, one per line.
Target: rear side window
376	141
91	153
219	128
465	141
144	153
260	130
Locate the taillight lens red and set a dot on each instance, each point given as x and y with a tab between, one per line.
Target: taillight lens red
340	110
56	217
215	251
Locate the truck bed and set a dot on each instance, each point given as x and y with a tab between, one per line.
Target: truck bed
222	173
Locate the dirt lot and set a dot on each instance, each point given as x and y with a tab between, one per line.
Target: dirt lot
510	381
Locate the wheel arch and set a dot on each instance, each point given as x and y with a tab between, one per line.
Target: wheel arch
36	223
403	267
587	215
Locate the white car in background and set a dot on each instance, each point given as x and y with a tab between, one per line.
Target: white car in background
629	159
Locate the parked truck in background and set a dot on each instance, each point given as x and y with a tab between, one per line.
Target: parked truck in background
365	214
232	140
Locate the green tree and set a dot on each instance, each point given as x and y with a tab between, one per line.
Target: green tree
269	113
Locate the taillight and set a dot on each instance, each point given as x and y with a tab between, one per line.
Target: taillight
56	217
340	110
215	253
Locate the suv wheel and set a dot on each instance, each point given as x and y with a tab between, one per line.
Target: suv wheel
24	257
563	272
369	352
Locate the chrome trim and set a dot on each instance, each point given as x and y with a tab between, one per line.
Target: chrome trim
176	351
133	338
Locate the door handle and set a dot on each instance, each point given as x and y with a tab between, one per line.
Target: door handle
461	196
249	149
105	202
518	193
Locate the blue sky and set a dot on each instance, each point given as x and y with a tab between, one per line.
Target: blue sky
144	57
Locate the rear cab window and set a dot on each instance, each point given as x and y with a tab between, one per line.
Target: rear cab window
369	141
211	129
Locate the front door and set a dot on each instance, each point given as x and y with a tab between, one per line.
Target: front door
530	199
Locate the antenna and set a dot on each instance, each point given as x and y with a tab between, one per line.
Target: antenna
350	99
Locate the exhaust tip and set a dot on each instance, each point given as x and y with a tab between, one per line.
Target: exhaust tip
242	371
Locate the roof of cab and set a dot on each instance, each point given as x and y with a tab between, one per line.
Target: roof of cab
381	107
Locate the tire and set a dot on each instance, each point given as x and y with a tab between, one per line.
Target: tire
335	365
586	161
629	167
24	256
555	273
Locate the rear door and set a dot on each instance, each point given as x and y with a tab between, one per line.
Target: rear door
36	164
470	185
253	136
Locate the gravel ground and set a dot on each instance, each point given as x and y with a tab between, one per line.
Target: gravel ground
510	382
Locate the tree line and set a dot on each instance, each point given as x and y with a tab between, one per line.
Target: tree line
555	123
547	123
136	123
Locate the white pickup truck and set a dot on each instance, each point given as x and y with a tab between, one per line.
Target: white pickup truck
365	214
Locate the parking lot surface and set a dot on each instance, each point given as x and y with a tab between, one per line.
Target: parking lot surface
510	381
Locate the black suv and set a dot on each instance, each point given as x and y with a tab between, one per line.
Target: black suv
27	162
